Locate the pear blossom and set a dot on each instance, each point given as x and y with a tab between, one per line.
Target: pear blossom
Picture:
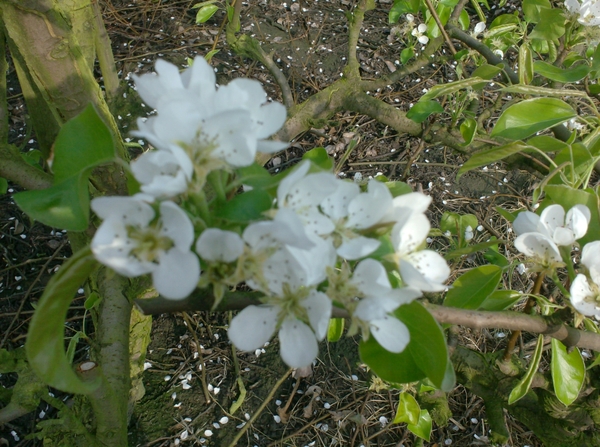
585	289
552	222
424	270
541	249
302	192
352	211
133	241
216	128
588	11
419	33
292	305
219	245
379	299
163	174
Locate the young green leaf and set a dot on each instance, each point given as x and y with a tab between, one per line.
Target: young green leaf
571	74
501	300
492	155
205	13
472	288
45	340
525	383
408	410
422	109
246	207
525	118
335	329
568	372
423	427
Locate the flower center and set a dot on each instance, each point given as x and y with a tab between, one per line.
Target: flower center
149	243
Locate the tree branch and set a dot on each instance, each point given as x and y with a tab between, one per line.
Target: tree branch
17	170
202	299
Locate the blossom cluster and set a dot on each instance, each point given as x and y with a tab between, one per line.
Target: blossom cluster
324	241
588	11
541	238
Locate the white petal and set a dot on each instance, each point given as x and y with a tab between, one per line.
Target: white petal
390	333
336	204
286	184
200	77
318	307
253	327
298	343
215	244
553	216
370	277
410	232
582	297
159	174
316	222
270	146
563	236
526	222
425	270
309	191
479	28
572	5
176	225
423	39
128	209
357	248
539	247
270	117
177	274
368	209
578	219
590	257
374	308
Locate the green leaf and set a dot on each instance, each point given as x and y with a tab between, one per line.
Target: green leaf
571	74
568	372
457	224
532	9
525	118
208	56
255	176
65	205
525	64
550	27
525	383
92	301
470	249
423	428
32	157
408	410
486	71
501	300
492	155
472	288
319	157
422	109
73	345
569	197
493	256
45	339
82	143
335	329
452	87
402	7
398	188
246	207
205	13
547	143
468	128
425	356
406	55
3	185
507	214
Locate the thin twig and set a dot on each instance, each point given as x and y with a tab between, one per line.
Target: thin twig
259	410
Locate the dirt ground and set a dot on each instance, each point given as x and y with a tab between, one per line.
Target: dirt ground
191	376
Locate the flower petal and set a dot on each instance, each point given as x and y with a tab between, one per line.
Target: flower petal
253	327
357	247
298	343
367	209
318	307
176	225
215	244
578	219
177	274
526	222
425	270
410	232
582	297
390	333
539	247
336	204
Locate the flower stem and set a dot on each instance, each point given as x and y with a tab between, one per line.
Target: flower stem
528	306
260	409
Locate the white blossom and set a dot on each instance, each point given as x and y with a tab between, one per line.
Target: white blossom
585	289
588	12
219	245
552	222
419	33
379	299
163	174
541	249
133	242
217	128
479	28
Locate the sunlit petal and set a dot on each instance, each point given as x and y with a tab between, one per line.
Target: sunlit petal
390	333
298	343
253	327
177	274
